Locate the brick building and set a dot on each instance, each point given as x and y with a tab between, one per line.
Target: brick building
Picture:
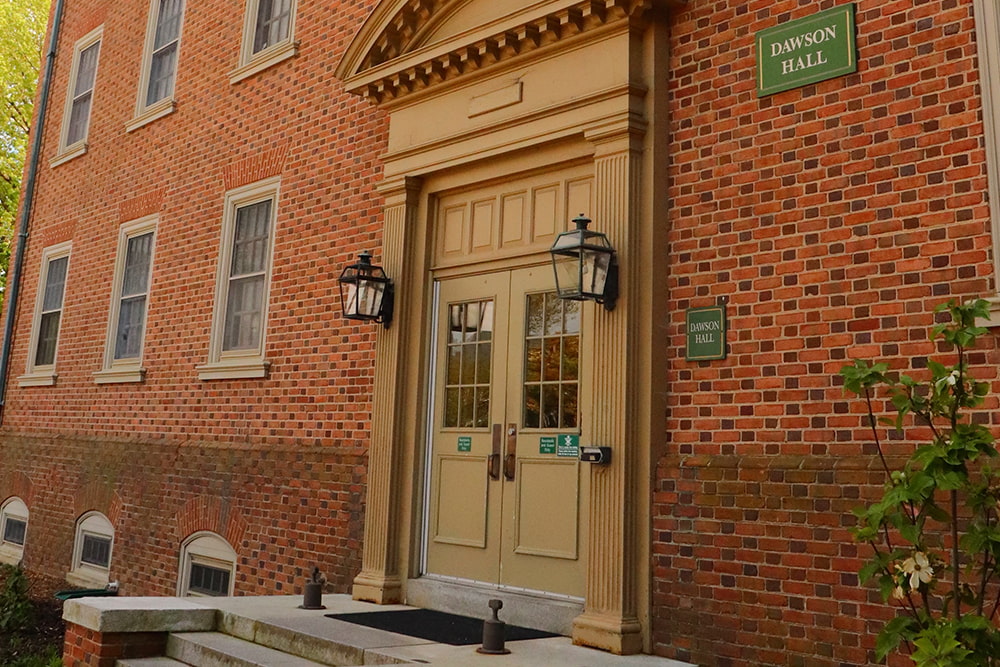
186	411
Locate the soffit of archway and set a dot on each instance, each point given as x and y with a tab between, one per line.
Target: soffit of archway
410	45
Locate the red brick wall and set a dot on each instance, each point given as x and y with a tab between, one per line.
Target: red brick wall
834	217
89	648
276	465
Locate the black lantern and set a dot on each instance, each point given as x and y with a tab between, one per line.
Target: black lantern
585	265
366	293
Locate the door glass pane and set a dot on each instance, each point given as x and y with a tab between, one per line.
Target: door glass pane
469	354
551	362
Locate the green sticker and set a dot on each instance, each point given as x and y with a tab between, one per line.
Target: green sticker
547	445
568	445
465	443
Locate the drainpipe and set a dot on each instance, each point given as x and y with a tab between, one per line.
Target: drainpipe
14	282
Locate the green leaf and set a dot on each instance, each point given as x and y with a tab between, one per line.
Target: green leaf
895	632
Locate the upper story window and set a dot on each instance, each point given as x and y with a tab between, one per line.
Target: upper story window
268	36
159	62
129	303
237	345
92	550
48	317
79	97
13	530
208	566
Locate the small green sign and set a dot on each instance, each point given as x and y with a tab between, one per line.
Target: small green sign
815	48
547	445
568	445
465	443
706	333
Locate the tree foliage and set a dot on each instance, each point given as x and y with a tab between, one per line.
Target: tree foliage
935	533
22	32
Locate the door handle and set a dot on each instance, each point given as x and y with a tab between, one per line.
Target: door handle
510	460
493	460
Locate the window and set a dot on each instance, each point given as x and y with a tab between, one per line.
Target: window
208	566
92	550
159	62
237	346
129	303
13	530
79	97
48	317
268	36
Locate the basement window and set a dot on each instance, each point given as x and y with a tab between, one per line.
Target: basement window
13	530
208	566
92	551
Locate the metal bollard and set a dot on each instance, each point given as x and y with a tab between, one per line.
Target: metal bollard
313	596
493	632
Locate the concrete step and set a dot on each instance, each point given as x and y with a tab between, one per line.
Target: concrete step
150	662
214	649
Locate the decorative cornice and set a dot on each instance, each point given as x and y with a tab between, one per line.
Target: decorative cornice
389	72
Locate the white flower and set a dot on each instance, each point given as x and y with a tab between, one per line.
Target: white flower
952	379
919	569
898	593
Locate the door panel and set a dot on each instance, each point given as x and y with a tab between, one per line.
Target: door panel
505	501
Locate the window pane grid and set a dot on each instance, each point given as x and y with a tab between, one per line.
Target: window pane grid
248	265
14	531
52	301
469	354
208	580
83	89
96	550
551	362
273	20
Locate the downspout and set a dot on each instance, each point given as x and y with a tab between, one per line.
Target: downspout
14	283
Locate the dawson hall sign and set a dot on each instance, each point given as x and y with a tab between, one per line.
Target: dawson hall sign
807	50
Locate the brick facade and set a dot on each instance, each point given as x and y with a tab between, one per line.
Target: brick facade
833	217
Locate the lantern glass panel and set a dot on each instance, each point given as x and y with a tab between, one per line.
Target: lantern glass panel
568	276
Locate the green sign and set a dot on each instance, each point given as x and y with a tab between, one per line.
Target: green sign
568	445
815	48
706	333
547	445
465	443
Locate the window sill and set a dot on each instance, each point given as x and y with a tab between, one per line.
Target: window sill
265	59
164	107
37	379
87	578
11	555
120	375
235	369
74	151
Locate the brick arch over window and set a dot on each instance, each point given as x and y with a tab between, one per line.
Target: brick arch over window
98	495
207	513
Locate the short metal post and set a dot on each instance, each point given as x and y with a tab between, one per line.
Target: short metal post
494	631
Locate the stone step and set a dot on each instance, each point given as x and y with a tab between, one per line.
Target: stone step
214	649
150	662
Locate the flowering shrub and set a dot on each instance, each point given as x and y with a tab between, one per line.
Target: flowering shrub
935	533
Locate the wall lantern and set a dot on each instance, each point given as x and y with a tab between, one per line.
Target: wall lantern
585	265
366	293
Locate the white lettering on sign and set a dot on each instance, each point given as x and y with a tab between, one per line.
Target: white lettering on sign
797	42
700	338
796	64
711	325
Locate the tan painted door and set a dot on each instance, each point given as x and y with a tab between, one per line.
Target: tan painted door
506	485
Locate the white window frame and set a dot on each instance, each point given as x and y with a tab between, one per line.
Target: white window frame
205	548
987	15
250	62
95	524
69	151
147	113
12	508
249	363
45	375
126	370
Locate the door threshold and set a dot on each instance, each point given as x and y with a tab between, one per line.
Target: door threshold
534	610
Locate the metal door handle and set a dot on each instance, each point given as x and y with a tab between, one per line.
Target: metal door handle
510	461
493	460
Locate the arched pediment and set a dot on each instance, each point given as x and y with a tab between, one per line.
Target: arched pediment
407	45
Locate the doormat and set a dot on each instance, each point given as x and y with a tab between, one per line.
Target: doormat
435	626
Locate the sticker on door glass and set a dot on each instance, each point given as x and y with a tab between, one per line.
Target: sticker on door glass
568	445
465	443
547	444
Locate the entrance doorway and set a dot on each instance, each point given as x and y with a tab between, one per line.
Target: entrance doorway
506	488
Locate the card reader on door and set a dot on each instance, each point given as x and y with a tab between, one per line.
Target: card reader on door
598	455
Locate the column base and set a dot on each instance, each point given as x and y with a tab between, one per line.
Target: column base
377	589
621	636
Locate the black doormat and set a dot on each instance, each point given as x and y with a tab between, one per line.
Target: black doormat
435	626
